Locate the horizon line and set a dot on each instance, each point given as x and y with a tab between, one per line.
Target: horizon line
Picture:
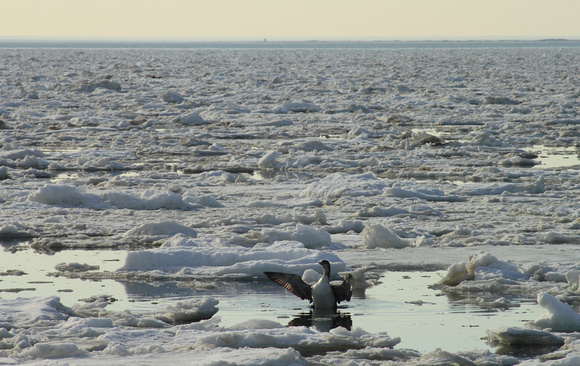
283	39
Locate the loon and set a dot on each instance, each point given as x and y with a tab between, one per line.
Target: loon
322	294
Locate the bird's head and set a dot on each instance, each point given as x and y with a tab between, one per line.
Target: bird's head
325	266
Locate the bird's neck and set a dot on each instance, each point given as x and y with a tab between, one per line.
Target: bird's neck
325	277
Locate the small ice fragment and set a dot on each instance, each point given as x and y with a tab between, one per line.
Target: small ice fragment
573	278
440	357
51	350
457	273
269	159
310	276
75	267
192	118
184	312
523	337
151	323
116	350
92	86
3	175
499	100
206	201
311	145
172	97
257	324
486	139
16	231
301	107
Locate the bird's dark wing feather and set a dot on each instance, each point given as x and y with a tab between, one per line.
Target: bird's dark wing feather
292	283
343	291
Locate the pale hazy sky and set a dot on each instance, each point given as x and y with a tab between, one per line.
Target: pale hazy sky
290	19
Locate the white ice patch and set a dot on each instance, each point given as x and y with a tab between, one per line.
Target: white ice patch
486	139
441	357
53	350
296	215
29	162
25	312
256	324
172	97
89	87
300	338
573	278
560	317
246	357
184	312
16	154
310	236
482	266
377	211
205	201
149	200
337	185
16	230
159	230
569	359
425	194
269	159
379	236
64	195
483	189
89	159
299	107
192	118
283	256
312	145
344	226
310	276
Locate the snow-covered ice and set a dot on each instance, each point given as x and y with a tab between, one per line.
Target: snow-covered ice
143	193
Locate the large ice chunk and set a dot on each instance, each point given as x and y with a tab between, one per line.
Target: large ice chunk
28	312
379	236
209	261
559	317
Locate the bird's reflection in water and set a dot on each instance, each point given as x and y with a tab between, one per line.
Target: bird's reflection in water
323	320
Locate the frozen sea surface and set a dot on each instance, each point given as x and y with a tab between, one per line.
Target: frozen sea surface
144	192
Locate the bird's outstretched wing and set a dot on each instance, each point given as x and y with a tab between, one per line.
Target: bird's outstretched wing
343	291
292	283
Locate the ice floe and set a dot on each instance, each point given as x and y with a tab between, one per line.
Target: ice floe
63	195
192	258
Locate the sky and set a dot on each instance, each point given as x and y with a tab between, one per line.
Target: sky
290	20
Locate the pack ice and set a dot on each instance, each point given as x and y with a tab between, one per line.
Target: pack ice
208	167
